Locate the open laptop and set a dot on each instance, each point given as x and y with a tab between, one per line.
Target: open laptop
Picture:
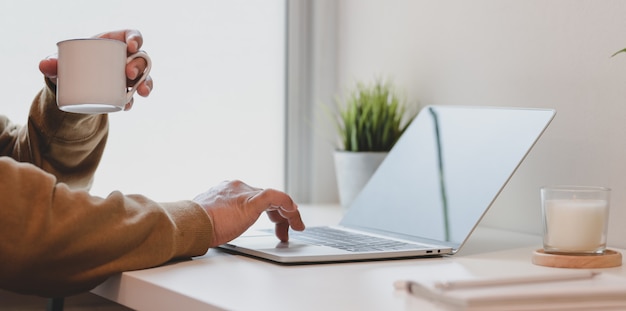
429	193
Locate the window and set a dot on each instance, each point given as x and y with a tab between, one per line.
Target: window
217	109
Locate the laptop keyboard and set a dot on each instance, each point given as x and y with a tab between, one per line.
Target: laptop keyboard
349	241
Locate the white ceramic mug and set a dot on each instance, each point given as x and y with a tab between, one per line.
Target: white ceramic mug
91	76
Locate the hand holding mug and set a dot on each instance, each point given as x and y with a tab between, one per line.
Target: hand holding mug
92	75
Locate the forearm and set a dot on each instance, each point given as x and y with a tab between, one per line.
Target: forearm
66	145
58	241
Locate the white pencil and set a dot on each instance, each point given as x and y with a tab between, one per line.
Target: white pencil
578	275
414	287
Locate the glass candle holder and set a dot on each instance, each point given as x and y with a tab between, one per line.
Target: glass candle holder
575	219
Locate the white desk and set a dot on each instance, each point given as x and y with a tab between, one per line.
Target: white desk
218	280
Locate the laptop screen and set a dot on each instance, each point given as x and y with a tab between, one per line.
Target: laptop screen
446	170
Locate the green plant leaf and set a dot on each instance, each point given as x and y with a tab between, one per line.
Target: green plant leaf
372	118
620	51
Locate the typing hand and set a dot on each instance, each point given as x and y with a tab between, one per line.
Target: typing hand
234	206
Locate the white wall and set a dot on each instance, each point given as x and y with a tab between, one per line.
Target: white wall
528	53
217	109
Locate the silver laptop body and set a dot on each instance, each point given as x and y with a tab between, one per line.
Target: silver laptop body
431	191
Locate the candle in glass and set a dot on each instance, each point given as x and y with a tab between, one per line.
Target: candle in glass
575	219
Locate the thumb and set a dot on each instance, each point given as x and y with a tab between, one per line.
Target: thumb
48	66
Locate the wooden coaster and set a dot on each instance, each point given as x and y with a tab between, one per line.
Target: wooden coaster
608	259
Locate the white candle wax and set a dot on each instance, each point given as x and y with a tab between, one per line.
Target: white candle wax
576	225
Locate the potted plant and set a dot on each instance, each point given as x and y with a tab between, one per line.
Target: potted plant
368	122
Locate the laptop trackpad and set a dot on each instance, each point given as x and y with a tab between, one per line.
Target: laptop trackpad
271	244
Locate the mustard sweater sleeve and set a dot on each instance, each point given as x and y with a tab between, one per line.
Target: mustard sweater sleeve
57	241
67	145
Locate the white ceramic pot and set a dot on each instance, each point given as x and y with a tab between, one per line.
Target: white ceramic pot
353	171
